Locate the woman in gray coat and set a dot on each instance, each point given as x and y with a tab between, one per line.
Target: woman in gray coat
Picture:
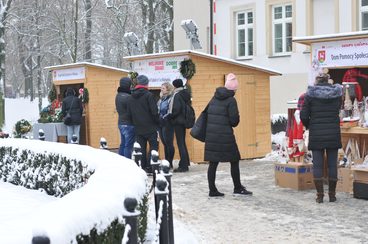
220	142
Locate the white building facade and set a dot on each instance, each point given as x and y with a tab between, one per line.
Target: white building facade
260	32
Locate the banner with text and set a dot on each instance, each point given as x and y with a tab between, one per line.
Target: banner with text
69	74
340	53
160	70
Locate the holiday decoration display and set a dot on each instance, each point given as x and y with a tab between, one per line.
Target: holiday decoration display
22	127
187	68
84	95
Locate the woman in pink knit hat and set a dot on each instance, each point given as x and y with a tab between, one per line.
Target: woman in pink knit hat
220	143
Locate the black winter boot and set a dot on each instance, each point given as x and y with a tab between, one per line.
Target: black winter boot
332	189
319	187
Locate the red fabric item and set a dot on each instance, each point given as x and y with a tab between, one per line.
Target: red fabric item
141	86
298	131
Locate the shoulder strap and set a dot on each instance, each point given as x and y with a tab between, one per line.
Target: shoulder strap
71	105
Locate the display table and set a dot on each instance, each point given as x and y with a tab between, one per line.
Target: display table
52	130
355	130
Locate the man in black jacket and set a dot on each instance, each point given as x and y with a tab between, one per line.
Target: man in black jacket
143	112
125	126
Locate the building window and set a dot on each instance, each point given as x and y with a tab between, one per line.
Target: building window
244	34
364	15
282	16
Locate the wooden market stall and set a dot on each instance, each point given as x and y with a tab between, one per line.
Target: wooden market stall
253	134
345	57
100	116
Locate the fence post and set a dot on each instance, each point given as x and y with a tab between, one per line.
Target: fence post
103	143
155	164
131	221
161	200
137	154
40	240
165	168
41	135
74	139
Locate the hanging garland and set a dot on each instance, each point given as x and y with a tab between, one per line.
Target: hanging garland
187	68
52	94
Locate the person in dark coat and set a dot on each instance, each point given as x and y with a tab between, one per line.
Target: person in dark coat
166	129
220	142
320	114
127	133
143	112
74	106
176	116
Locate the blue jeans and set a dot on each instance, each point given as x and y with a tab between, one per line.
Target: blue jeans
73	130
331	163
127	134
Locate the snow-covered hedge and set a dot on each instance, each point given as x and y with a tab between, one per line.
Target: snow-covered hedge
278	123
91	183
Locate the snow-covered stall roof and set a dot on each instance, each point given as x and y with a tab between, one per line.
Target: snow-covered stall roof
84	63
308	40
209	56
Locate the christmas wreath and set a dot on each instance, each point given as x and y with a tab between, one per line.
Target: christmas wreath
187	68
84	95
22	127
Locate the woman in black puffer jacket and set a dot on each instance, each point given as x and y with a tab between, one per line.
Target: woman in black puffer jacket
220	142
320	114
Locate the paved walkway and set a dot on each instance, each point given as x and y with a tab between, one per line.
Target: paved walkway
271	215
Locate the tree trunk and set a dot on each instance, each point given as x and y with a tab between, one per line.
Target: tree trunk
87	34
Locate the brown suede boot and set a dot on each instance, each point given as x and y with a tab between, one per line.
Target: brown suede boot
332	189
318	182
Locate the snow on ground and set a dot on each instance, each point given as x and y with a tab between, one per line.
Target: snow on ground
24	206
271	215
96	204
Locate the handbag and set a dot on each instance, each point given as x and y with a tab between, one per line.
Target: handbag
198	130
68	117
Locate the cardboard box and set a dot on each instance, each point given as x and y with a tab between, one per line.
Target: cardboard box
360	174
344	180
360	190
294	175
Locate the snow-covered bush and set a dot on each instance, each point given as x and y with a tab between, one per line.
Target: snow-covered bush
54	173
91	185
278	123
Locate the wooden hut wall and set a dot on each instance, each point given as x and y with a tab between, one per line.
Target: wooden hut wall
254	131
101	113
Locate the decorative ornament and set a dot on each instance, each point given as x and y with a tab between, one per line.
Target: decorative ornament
83	95
348	105
22	127
187	68
133	76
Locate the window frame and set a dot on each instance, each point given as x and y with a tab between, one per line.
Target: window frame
362	9
283	21
246	26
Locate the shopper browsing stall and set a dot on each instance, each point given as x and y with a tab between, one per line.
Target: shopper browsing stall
320	114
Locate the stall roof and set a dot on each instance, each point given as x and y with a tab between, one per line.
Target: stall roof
205	55
84	63
308	40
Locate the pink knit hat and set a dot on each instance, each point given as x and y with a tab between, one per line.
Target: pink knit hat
231	82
